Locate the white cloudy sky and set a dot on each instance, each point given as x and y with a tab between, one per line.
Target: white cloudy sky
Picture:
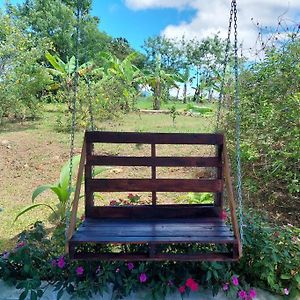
212	16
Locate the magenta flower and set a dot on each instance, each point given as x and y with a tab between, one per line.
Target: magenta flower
242	294
143	277
252	293
20	245
286	291
235	281
117	270
61	262
181	289
130	266
225	287
79	271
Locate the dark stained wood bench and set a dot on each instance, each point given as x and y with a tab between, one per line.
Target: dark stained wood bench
155	226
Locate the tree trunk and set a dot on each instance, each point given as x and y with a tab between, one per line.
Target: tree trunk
156	99
184	92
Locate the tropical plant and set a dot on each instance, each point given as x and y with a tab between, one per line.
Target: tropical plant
60	189
158	80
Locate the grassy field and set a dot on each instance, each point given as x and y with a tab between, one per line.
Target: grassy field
32	153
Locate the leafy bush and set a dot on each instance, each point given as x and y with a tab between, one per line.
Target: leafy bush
271	256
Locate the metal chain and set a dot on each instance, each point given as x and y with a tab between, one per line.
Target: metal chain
92	122
238	123
226	58
72	135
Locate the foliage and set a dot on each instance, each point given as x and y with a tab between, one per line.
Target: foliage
60	189
22	78
270	128
271	256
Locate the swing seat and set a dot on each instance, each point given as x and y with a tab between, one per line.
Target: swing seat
162	230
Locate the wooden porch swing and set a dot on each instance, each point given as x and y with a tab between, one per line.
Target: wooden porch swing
159	230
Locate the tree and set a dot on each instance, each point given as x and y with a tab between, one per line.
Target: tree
22	77
158	79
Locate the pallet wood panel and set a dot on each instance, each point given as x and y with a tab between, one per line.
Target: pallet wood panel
158	161
153	138
155	185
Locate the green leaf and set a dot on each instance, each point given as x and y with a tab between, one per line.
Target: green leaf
23	295
65	172
30	208
40	189
33	295
54	62
285	276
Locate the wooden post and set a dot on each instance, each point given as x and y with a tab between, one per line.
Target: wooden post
153	173
73	217
232	205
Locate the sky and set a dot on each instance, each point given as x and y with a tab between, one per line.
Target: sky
137	20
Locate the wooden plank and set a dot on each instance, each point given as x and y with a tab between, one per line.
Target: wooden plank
92	238
75	202
220	175
156	257
203	221
154	185
153	138
153	173
152	212
231	202
159	161
89	196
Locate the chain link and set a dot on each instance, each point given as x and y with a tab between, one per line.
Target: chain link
72	134
238	123
226	58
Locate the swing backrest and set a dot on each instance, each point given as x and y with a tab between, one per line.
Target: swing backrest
153	184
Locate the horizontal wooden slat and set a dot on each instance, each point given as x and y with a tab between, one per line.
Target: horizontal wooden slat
151	212
161	161
153	138
154	185
157	257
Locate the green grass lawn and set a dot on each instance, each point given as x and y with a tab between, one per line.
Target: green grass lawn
32	153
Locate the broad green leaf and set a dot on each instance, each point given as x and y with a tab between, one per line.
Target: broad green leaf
54	62
40	189
65	172
32	207
71	65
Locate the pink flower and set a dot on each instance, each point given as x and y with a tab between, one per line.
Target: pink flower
117	270
235	281
61	262
223	215
181	289
242	294
21	244
192	284
143	277
286	291
79	271
113	203
225	286
130	266
130	196
252	293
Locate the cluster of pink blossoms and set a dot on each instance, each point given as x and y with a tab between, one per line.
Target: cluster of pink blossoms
190	283
242	294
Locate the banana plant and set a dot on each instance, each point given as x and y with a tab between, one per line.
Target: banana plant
60	189
158	79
